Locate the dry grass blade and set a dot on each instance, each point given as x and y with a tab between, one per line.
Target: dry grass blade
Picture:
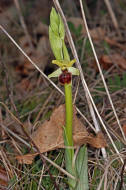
23	22
114	20
40	180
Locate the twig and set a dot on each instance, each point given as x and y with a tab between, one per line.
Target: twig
113	17
40	180
122	175
8	87
44	105
23	22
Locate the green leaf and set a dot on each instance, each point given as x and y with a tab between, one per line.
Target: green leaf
56	44
82	169
65	52
54	21
56	36
61	28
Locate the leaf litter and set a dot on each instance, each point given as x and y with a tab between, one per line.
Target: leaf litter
49	136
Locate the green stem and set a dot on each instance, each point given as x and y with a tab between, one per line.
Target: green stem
69	113
68	138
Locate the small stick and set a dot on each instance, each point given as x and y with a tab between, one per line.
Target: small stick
113	17
8	87
23	23
122	175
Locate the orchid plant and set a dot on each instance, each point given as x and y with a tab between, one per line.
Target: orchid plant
64	74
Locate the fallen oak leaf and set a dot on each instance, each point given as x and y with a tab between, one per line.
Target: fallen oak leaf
124	129
106	61
49	135
39	55
26	159
113	42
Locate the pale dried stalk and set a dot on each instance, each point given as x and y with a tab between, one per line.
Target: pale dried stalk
113	17
40	180
23	23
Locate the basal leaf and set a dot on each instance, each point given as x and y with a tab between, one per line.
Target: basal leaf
82	169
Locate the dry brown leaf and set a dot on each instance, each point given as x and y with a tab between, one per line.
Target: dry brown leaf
97	33
26	159
3	178
106	61
39	55
124	129
41	29
115	43
49	135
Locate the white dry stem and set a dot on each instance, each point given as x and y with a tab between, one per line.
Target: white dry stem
23	23
100	71
97	128
113	17
101	181
40	180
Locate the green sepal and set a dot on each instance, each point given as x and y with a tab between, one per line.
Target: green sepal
64	64
55	73
82	169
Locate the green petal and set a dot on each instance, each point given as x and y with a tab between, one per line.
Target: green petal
73	70
55	73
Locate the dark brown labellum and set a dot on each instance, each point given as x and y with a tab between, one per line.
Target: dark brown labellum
65	77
